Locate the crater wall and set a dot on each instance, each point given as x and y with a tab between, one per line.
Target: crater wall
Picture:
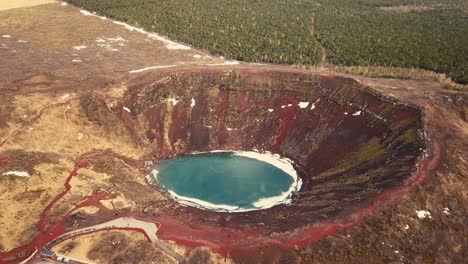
348	142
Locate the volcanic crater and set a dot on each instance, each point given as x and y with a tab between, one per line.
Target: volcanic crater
381	161
348	143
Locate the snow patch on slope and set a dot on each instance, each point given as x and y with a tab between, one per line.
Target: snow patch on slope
16	173
80	47
423	214
151	68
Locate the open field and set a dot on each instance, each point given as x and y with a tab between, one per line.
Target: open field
431	35
7	4
85	108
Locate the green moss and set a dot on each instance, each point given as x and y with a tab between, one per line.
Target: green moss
371	150
385	109
358	179
406	122
409	136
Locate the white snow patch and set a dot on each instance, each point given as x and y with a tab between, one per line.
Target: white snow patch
192	104
270	110
229	129
149	177
406	227
446	211
264	203
173	101
356	113
80	47
29	129
231	62
151	68
87	13
80	136
303	104
6	36
77	60
21	41
126	109
127	26
107	47
63	4
204	57
289	105
346	113
396	251
281	163
283	106
203	204
17	173
423	214
168	43
110	43
313	105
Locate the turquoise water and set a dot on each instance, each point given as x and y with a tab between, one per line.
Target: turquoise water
222	179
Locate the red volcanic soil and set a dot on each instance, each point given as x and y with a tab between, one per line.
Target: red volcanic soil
318	139
355	149
3	159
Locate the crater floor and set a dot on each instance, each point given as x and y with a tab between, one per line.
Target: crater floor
348	143
89	106
224	181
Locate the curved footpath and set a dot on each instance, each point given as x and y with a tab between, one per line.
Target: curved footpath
149	229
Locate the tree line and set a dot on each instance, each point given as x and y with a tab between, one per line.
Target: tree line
357	32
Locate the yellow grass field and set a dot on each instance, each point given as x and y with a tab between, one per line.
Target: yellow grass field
10	4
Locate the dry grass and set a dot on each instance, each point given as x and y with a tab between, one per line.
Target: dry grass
72	136
10	4
120	246
394	73
23	199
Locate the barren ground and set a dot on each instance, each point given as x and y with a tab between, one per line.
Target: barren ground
53	56
6	4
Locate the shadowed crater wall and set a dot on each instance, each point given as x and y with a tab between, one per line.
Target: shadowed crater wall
348	142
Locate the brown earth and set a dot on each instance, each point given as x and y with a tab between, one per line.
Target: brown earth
55	112
5	4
